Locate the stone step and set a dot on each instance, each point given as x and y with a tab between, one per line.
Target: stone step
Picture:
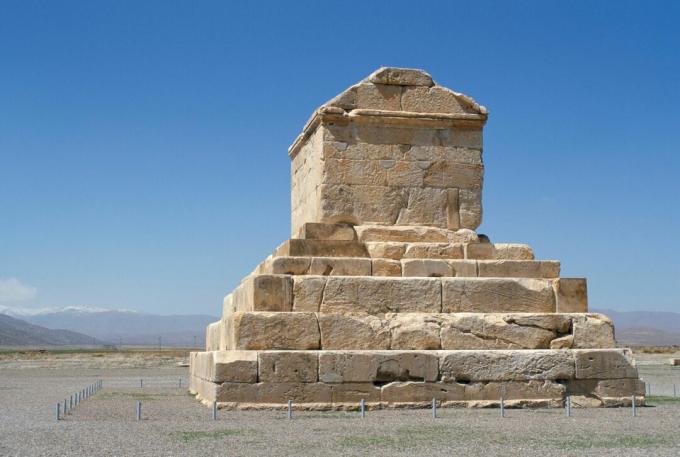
390	378
412	331
395	250
379	295
417	267
295	247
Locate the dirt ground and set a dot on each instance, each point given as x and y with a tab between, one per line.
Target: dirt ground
173	423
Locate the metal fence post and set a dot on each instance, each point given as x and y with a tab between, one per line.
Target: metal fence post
568	405
434	408
214	410
502	407
632	398
290	409
139	410
58	411
362	406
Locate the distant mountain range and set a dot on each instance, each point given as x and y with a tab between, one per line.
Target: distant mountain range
18	333
645	328
120	327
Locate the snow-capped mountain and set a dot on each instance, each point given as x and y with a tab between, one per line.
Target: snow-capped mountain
118	326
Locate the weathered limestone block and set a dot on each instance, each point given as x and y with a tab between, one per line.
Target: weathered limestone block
434	251
426	268
329	266
593	331
486	295
435	99
386	249
480	251
353	331
583	401
424	206
454	337
361	203
351	394
414	331
421	392
355	172
263	330
463	268
228	366
470	208
571	295
419	153
378	96
376	295
491	331
377	366
321	248
443	174
386	267
203	389
390	153
287	265
563	342
285	366
228	305
513	251
401	77
201	364
604	364
519	268
439	268
274	393
501	365
521	336
264	293
514	390
413	234
212	336
559	323
620	388
307	293
227	332
317	231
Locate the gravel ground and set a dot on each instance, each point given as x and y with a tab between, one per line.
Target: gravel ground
174	424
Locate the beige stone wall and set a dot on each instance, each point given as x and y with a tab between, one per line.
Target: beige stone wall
405	152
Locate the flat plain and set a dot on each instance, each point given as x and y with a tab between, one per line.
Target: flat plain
174	424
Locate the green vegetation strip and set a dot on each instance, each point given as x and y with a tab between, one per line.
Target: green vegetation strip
445	436
133	396
661	400
190	436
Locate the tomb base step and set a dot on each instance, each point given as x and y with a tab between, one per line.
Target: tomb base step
339	379
410	331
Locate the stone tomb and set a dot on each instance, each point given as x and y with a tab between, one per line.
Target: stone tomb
386	293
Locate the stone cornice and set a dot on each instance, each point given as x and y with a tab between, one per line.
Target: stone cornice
327	114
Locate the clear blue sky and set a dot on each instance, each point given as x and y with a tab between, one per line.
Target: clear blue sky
143	158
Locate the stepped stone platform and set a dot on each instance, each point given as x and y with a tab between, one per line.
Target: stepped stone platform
386	293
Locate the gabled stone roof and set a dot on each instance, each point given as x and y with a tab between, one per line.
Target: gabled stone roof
407	90
396	96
